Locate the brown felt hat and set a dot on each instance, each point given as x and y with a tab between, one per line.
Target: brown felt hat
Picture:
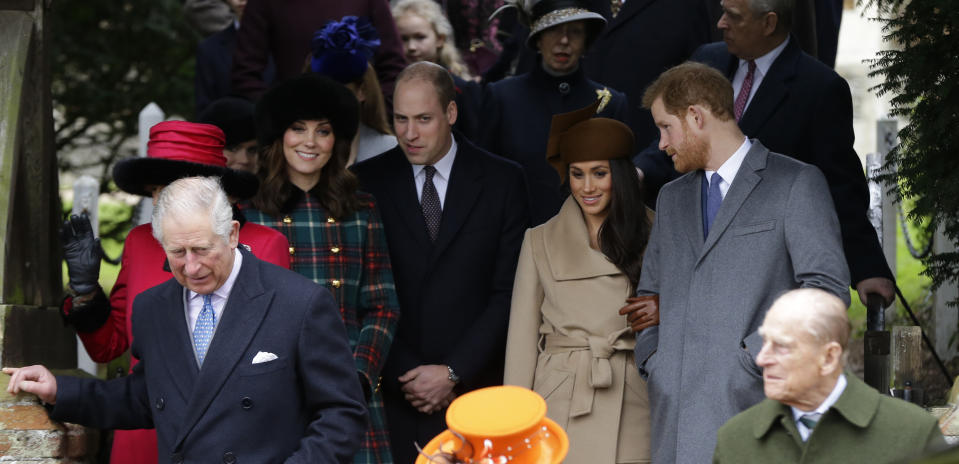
578	136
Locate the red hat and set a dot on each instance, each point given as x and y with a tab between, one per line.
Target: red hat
180	149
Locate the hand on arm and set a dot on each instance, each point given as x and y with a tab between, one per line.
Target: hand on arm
428	387
641	311
32	379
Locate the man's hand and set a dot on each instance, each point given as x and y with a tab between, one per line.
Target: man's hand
428	387
878	285
641	311
82	252
32	379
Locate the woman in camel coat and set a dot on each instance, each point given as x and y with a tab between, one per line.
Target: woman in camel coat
567	339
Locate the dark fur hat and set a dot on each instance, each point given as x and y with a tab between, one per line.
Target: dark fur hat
234	116
305	97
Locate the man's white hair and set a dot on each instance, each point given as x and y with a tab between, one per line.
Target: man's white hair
190	195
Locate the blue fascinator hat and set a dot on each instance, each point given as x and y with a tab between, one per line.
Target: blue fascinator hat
342	49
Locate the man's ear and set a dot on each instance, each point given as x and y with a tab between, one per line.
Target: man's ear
451	112
770	21
831	360
234	234
696	116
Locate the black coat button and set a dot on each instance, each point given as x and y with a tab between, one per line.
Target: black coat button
160	404
564	88
177	458
229	458
246	402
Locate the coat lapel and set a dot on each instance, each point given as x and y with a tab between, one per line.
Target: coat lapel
567	247
773	90
404	198
743	184
465	185
245	309
177	354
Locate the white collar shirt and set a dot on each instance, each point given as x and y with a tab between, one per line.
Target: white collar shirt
830	400
441	180
194	301
763	63
730	168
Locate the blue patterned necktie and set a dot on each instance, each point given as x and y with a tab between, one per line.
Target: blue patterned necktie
714	198
203	330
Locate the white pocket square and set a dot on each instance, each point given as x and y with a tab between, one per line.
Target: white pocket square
263	356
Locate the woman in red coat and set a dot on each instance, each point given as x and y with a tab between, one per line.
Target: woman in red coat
176	149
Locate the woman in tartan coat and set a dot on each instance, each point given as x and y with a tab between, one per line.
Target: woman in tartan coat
305	127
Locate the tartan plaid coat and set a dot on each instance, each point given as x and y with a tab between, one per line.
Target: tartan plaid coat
350	257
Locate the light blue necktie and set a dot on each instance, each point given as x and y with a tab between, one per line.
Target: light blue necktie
714	198
203	330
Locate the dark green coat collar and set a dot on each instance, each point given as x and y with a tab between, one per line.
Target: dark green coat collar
857	404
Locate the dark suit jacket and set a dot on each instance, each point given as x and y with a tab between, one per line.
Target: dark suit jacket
284	30
306	406
214	60
646	38
803	109
454	293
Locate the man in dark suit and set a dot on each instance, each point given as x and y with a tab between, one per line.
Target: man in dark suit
454	217
796	106
239	359
644	38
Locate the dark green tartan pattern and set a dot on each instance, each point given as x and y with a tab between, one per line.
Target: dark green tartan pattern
349	256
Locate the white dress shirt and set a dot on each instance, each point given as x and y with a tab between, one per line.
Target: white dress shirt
830	400
194	301
442	177
730	168
763	63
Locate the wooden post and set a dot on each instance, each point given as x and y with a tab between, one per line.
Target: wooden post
906	356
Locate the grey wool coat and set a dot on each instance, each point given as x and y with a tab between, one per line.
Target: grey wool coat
776	230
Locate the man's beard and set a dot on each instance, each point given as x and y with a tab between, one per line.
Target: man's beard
692	154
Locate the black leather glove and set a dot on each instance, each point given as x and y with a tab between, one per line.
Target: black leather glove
82	252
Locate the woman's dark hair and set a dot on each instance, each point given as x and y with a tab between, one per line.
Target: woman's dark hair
336	189
624	233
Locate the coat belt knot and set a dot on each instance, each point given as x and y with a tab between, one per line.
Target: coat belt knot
594	371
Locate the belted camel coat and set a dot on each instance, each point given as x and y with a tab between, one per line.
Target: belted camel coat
568	343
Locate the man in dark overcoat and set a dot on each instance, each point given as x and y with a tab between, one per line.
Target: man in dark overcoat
240	360
454	217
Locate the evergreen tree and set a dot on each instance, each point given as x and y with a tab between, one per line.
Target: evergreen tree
922	75
108	60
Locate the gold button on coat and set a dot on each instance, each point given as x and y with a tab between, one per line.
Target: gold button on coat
287	220
330	220
335	249
335	283
292	250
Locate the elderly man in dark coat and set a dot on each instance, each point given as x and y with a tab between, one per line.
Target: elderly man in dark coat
813	411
